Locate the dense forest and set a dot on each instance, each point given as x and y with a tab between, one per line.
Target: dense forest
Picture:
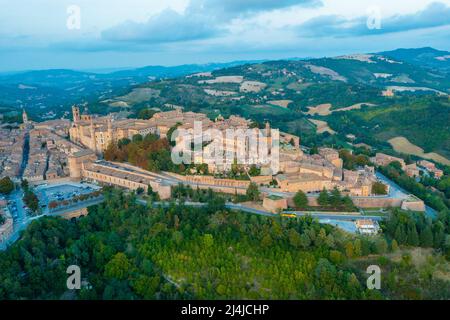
128	251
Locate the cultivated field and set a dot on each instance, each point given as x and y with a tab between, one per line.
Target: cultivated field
321	110
325	109
219	93
223	79
355	106
401	144
322	126
326	72
252	86
414	89
280	103
138	95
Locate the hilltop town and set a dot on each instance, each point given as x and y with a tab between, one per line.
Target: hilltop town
61	167
60	151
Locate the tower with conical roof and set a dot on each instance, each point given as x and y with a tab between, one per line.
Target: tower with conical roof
76	114
25	117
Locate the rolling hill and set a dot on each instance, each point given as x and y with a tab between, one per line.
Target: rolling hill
376	97
42	91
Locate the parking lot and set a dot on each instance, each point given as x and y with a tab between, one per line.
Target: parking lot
62	192
16	206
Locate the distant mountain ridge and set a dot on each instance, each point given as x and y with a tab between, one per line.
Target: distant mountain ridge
424	57
56	89
44	90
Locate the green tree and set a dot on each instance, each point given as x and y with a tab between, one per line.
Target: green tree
24	184
400	234
300	200
6	185
123	142
170	133
254	171
146	114
413	236
335	198
394	245
396	165
426	237
31	200
379	188
208	240
294	238
118	267
349	250
324	198
266	240
305	241
253	192
381	245
357	248
137	138
336	257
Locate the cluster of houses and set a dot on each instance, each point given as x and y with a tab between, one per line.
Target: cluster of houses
413	169
11	151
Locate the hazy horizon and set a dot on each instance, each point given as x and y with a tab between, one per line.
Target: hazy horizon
111	69
87	35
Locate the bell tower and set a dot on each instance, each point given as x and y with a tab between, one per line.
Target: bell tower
24	117
268	131
76	114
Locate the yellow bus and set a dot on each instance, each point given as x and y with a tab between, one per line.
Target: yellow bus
289	215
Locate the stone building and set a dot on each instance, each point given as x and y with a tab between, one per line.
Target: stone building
76	161
382	159
275	204
124	176
96	132
431	168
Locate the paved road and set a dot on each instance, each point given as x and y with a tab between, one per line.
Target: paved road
238	206
397	191
23	220
25	154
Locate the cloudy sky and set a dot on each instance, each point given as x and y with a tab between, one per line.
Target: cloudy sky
96	34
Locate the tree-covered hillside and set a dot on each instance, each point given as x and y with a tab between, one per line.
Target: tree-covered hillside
127	251
424	122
